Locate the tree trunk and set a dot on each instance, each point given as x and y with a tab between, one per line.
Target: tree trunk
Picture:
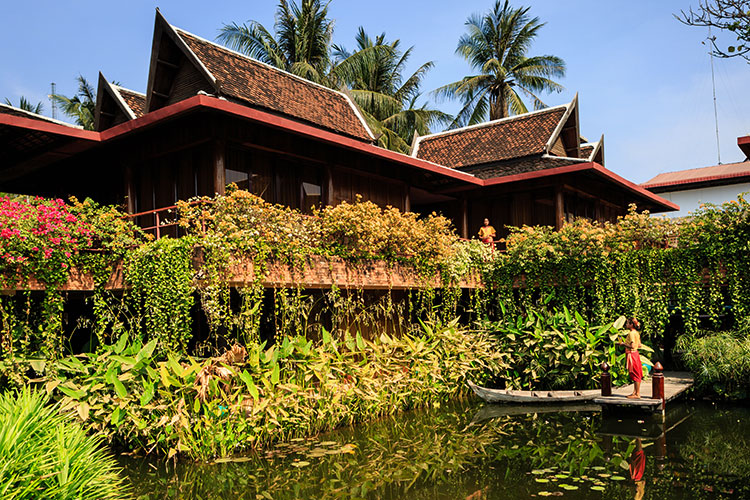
498	106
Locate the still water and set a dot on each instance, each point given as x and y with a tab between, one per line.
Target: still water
472	451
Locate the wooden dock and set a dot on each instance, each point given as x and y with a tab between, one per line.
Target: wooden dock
675	384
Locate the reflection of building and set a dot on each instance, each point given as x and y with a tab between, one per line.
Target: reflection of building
718	184
211	116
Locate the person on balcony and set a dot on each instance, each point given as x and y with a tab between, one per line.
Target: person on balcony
487	233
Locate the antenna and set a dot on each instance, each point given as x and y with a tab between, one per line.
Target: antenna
53	91
713	85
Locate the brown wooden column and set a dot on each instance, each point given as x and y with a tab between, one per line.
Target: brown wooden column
464	218
219	166
407	198
129	190
559	208
328	186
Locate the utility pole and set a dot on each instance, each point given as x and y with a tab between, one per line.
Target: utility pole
52	101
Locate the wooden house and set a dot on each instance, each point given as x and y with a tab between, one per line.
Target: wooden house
211	116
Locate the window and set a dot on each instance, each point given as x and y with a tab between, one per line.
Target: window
242	179
311	196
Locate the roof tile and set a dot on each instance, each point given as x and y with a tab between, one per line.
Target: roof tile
135	101
272	89
696	175
516	137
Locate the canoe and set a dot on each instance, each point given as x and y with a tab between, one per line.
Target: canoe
533	397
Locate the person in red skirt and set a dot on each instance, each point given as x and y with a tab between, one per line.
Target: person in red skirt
632	343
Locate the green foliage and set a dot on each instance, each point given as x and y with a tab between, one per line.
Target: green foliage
720	362
557	349
496	45
299	45
45	455
26	105
249	398
82	106
161	273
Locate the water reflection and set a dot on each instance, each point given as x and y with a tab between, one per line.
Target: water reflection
473	452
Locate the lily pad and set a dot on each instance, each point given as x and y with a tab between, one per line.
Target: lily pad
300	464
568	487
597	488
541	480
538	472
617	478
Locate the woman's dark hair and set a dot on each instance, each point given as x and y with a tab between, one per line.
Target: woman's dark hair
632	324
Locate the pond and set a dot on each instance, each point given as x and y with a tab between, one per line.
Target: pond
472	451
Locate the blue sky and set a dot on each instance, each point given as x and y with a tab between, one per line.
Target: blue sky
643	78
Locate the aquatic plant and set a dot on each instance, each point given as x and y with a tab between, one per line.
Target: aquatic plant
44	454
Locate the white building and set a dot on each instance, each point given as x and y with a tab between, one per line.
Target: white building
717	184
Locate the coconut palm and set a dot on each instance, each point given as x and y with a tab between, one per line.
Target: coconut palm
301	42
496	46
374	75
81	106
26	105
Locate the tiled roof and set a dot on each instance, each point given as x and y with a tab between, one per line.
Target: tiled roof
518	166
271	89
698	175
135	100
498	140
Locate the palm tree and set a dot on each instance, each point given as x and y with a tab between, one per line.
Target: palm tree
26	105
496	45
374	75
81	106
301	43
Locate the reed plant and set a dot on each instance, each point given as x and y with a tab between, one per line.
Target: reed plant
43	454
720	361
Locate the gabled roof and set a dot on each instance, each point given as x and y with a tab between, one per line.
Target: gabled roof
234	76
116	104
593	151
531	134
693	178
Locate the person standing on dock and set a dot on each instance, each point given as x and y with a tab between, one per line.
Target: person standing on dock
632	343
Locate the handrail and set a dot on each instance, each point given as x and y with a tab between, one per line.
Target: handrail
157	219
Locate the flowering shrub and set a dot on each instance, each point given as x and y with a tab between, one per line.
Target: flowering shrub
40	236
363	230
359	230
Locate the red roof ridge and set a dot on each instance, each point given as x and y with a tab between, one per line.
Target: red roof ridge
35	116
280	70
489	123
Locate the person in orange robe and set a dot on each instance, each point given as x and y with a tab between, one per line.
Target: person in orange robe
487	233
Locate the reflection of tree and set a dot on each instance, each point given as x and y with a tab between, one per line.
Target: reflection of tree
422	455
440	454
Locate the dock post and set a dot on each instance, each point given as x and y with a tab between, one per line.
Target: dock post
657	390
606	380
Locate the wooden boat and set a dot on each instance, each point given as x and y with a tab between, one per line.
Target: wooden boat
533	397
